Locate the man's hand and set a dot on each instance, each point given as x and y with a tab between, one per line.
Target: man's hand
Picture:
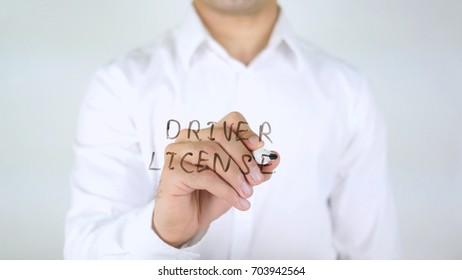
196	187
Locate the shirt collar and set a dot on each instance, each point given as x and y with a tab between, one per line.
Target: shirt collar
283	34
191	34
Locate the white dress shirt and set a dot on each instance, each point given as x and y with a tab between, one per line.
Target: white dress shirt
328	199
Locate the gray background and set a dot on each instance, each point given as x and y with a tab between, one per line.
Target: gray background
411	51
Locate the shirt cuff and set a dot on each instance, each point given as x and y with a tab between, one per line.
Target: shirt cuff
195	240
142	242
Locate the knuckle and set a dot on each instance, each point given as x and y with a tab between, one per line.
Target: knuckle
210	147
191	180
171	147
246	134
219	134
208	176
235	115
207	179
183	134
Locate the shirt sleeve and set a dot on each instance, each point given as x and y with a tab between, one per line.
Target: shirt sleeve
361	204
112	197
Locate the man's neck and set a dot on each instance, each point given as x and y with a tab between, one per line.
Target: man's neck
243	36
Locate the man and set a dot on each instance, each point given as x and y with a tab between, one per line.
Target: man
163	166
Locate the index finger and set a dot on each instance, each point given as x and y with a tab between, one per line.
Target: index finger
239	125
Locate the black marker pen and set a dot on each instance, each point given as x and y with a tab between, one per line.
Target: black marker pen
263	156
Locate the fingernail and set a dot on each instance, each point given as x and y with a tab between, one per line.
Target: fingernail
254	140
256	174
246	189
244	203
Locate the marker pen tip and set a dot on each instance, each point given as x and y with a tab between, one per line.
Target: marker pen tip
273	156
